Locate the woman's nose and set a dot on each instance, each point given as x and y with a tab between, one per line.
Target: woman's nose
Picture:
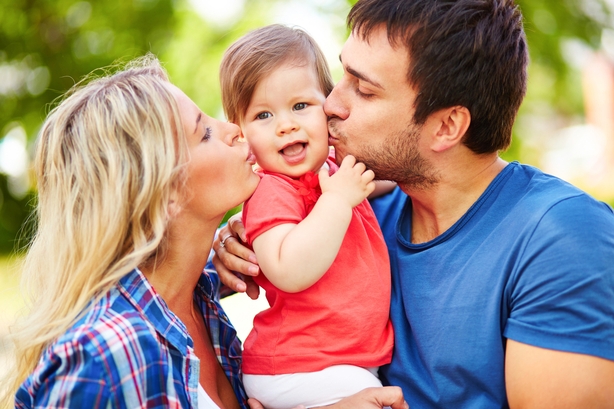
232	132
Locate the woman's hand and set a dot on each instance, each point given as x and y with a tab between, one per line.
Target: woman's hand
369	398
232	255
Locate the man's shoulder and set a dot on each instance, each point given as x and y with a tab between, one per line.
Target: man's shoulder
539	192
561	226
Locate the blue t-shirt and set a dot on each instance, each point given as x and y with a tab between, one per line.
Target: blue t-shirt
532	260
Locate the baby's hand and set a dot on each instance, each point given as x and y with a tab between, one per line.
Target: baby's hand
352	181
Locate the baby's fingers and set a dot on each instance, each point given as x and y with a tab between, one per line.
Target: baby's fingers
359	167
323	174
368	176
348	162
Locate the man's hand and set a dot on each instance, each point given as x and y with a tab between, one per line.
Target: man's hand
232	255
369	398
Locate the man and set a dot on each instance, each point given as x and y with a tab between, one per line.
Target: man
503	277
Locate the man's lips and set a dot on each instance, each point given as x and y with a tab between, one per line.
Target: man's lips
332	139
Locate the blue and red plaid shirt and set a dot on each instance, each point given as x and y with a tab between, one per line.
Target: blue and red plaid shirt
130	351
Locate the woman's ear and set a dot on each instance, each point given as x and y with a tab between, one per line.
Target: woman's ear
450	124
173	208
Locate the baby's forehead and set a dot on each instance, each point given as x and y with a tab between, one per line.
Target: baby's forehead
289	61
289	64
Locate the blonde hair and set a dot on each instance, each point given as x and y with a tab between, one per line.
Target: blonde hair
257	54
108	159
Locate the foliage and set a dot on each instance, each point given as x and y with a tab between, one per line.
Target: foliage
13	214
48	45
70	39
551	28
556	30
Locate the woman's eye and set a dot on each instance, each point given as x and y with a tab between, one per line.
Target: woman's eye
299	106
207	134
263	115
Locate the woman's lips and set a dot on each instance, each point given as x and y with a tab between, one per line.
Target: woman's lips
251	158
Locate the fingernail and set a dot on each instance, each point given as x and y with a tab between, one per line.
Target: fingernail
253	270
241	287
252	258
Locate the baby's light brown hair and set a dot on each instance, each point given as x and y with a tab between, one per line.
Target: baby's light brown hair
258	53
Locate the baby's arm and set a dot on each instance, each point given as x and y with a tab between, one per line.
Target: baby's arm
295	256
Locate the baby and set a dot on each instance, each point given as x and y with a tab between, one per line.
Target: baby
324	261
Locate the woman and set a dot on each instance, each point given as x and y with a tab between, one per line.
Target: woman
133	180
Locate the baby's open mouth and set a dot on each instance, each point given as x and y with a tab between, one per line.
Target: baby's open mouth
294	149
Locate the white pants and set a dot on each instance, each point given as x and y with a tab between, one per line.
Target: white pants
311	389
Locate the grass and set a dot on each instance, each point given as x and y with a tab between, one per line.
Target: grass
11	303
10	296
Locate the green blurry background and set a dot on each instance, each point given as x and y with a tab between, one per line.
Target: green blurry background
48	45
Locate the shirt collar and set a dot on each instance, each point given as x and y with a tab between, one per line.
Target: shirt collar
139	292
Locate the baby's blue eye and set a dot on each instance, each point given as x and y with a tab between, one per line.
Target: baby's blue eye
263	115
299	106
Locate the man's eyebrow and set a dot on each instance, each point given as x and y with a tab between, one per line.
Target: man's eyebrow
198	118
361	76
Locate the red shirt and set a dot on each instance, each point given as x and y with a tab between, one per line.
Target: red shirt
341	319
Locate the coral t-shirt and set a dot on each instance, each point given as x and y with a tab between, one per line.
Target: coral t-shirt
341	319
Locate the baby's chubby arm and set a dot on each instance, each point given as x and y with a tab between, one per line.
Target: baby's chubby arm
295	256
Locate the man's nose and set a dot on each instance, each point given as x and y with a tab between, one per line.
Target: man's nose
334	105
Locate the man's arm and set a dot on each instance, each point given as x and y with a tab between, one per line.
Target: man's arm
560	348
543	378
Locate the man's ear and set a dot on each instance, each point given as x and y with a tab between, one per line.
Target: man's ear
450	126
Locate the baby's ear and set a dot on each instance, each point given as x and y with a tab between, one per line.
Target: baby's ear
450	126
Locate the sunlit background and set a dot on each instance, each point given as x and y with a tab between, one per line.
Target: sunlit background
565	126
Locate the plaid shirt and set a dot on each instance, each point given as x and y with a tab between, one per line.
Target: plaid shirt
130	351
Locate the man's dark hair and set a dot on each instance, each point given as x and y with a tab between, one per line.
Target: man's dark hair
471	53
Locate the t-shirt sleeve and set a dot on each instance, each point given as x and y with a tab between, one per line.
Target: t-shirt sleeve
562	295
274	202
